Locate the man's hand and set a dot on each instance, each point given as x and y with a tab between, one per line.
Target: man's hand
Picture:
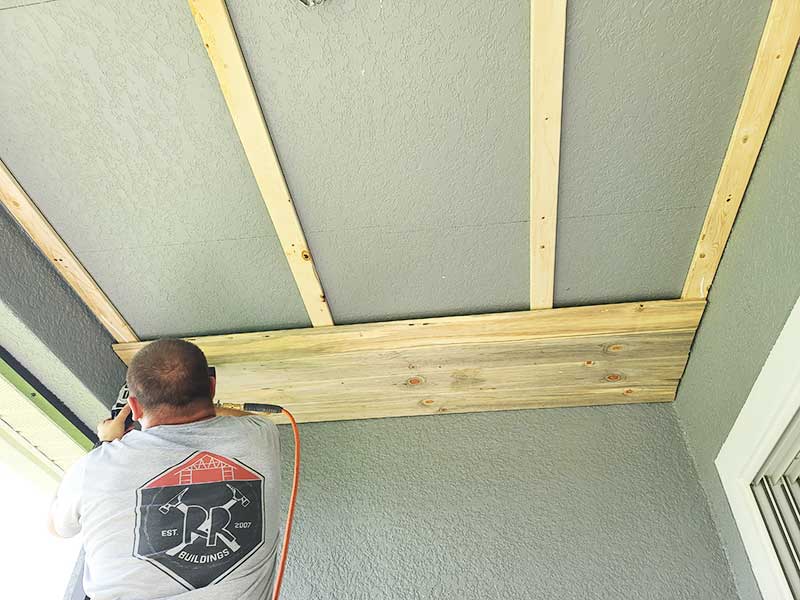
113	429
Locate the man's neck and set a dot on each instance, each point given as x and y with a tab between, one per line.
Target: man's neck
181	419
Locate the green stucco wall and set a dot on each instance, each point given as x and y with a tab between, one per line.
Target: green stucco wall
578	503
757	284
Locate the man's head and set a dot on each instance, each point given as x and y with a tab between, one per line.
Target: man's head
168	381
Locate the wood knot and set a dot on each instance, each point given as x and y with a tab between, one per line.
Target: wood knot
628	392
615	347
305	255
589	363
613	377
416	380
427	402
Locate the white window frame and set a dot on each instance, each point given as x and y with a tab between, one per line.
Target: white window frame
773	402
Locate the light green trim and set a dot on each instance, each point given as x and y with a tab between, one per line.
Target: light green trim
52	413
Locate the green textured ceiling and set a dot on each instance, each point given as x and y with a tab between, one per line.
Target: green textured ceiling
402	129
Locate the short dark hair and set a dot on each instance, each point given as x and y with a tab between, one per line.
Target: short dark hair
169	374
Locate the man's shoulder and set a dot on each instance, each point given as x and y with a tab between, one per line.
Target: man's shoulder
244	427
76	471
248	421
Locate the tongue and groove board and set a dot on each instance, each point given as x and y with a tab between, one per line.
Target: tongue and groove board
579	356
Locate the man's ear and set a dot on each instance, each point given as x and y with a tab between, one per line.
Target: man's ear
136	408
213	386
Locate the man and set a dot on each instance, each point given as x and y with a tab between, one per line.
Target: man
188	507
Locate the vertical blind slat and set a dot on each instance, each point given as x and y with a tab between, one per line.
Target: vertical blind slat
794	491
778	533
789	516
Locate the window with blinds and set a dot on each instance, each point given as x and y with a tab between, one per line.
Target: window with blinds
777	493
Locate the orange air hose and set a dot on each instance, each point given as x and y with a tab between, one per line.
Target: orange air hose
287	533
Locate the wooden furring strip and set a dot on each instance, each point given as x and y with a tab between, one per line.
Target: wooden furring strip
548	30
219	37
609	354
778	44
30	218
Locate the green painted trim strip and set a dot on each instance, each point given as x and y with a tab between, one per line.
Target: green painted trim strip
52	413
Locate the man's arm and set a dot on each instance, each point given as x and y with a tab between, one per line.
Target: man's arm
64	517
51	527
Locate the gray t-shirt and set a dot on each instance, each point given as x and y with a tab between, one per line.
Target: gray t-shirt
184	512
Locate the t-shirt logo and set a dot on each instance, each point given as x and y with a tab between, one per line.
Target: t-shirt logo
200	519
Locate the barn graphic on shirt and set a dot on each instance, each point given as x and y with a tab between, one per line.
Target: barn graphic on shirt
200	519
